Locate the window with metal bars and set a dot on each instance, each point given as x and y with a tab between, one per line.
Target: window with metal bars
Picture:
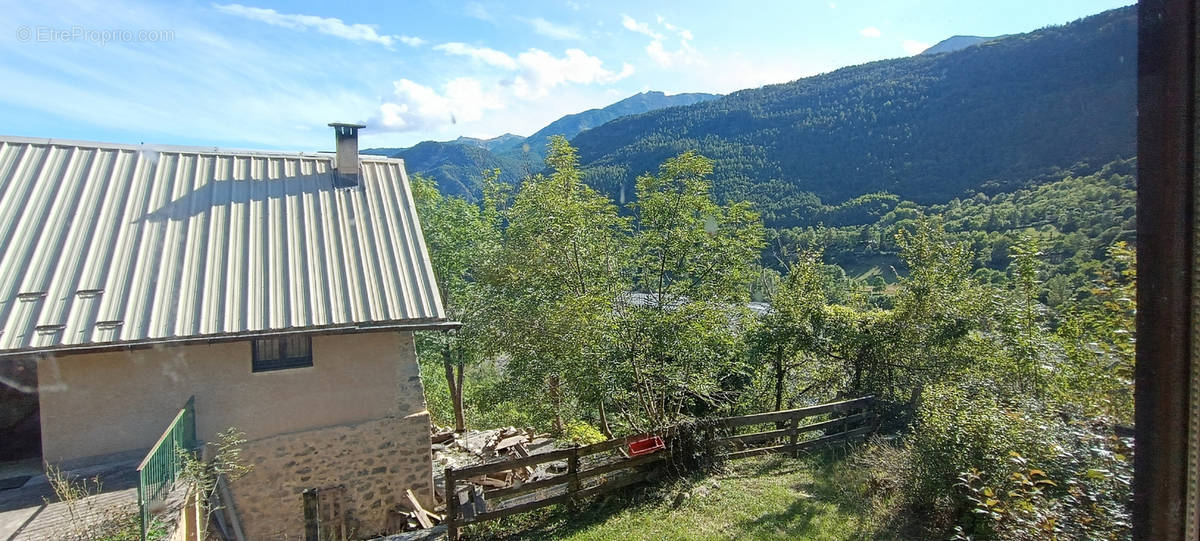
293	351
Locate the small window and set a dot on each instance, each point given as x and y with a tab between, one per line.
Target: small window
282	353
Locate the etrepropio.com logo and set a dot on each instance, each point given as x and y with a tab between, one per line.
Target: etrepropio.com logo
86	34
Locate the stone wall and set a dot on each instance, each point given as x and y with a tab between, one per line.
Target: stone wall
363	469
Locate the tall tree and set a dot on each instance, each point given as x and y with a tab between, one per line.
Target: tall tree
462	239
693	265
556	283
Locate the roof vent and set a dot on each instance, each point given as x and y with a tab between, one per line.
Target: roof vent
346	136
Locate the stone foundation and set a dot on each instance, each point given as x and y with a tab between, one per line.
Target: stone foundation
361	471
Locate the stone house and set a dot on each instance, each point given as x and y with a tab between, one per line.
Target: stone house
280	290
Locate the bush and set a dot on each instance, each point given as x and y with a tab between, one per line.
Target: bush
995	469
958	429
583	433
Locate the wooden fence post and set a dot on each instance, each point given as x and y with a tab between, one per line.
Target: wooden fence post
312	530
573	474
451	506
794	438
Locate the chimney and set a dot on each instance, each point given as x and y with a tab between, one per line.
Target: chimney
346	136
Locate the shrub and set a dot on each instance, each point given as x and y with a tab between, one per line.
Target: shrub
960	428
583	433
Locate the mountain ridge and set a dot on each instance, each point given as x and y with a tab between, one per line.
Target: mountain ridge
926	128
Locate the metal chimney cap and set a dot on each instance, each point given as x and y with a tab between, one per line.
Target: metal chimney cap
346	125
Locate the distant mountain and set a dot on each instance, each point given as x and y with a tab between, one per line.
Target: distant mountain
956	43
506	140
458	165
571	125
926	128
489	144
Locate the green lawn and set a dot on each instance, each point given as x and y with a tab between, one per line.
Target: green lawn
814	497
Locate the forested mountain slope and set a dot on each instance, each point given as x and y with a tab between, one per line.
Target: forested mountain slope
926	128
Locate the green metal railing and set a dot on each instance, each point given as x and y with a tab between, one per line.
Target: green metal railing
160	468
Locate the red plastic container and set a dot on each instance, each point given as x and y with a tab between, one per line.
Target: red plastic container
646	445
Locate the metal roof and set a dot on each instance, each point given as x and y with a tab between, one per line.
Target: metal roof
107	245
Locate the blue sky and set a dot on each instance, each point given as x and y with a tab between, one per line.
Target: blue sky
272	75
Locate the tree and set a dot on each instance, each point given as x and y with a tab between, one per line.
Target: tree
692	267
462	239
555	283
795	325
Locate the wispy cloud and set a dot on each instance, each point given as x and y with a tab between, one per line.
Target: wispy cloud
912	46
553	30
685	55
325	25
412	41
476	10
633	25
870	32
535	73
486	55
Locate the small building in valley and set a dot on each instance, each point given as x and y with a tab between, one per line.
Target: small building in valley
279	290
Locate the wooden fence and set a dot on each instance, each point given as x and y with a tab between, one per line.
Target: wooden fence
588	474
856	418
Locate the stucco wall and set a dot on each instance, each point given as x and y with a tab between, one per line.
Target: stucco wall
104	403
361	471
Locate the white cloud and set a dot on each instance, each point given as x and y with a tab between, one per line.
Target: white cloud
476	10
535	73
483	54
912	46
542	71
416	107
685	55
553	30
832	5
412	41
642	28
324	25
870	32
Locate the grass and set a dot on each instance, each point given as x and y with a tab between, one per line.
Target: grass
816	497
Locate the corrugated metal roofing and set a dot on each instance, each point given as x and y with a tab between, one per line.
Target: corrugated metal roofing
107	245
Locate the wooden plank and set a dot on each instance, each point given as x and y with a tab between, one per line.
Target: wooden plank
757	451
527	487
525	507
488	481
794	437
757	436
833	438
610	485
776	416
511	441
604	446
482	469
866	415
419	511
622	464
451	506
573	477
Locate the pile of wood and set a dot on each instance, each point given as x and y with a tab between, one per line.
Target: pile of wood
451	449
410	516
